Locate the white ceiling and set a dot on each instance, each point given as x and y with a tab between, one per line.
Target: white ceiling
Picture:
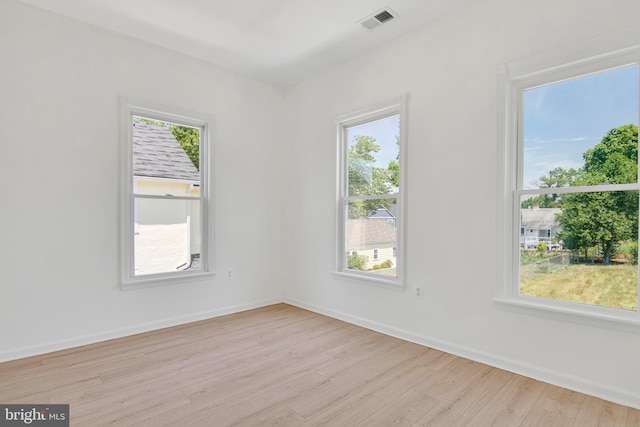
277	41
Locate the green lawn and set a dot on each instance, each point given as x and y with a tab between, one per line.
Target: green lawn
386	271
613	286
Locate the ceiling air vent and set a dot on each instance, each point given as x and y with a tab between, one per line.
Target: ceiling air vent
377	19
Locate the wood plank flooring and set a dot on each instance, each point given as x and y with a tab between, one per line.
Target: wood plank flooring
280	365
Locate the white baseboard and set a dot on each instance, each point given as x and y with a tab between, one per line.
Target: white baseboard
612	394
37	350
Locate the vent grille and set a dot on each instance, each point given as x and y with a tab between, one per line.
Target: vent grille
384	16
377	19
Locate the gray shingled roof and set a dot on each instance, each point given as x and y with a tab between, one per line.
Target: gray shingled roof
365	232
383	212
540	218
156	153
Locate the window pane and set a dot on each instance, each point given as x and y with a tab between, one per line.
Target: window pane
165	157
167	236
373	157
584	250
584	124
371	236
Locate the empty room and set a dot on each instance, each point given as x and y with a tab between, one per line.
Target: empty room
305	212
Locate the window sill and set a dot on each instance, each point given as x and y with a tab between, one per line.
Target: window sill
395	284
611	318
153	281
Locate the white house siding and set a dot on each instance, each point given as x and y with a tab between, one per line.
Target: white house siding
167	231
365	235
195	223
161	248
385	252
539	225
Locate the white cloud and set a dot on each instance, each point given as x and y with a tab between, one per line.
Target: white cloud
542	168
554	140
564	164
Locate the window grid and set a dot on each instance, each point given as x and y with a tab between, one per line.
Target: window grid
165	215
346	201
513	88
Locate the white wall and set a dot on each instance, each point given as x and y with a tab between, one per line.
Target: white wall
60	83
450	72
59	127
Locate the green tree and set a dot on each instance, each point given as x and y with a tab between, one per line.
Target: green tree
357	262
557	178
189	140
394	167
615	159
365	179
604	219
541	201
187	137
593	219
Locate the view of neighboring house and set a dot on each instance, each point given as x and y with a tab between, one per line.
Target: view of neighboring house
538	225
388	215
372	238
166	231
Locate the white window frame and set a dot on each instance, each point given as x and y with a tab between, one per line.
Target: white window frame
130	108
397	106
514	79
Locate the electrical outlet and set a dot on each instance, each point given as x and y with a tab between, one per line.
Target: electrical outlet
419	293
229	273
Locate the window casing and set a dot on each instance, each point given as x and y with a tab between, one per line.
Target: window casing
370	180
518	240
165	196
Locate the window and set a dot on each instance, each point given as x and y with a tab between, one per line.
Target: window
165	196
370	199
571	191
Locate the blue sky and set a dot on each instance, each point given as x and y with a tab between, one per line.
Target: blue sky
384	131
563	120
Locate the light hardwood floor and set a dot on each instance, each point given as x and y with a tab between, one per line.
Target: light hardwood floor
280	365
